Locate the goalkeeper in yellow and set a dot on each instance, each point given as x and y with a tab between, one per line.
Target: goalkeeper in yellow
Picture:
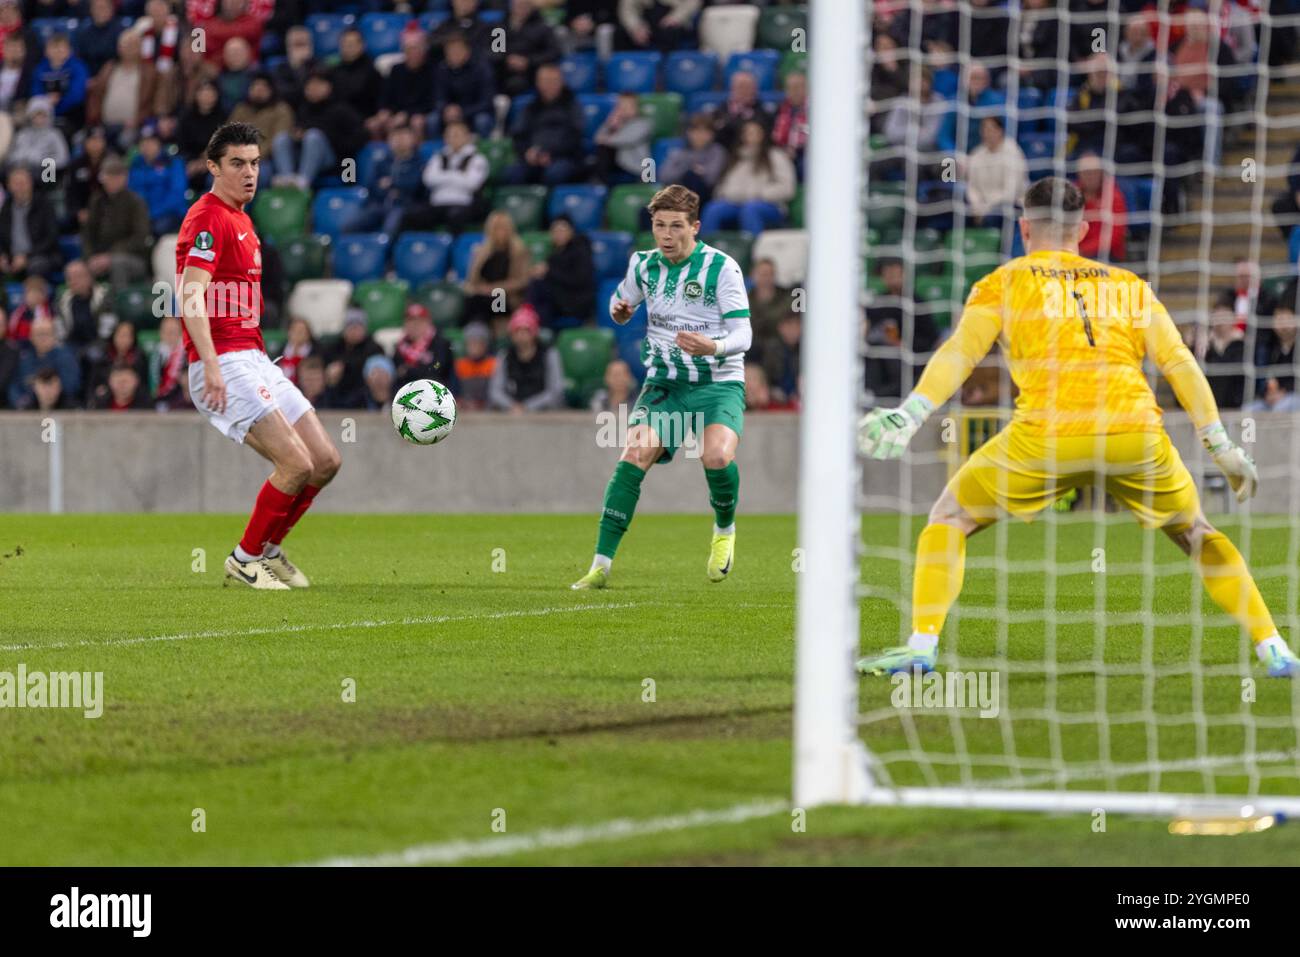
1074	333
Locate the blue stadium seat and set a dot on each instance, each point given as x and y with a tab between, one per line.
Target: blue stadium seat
705	102
370	154
610	252
1293	247
1138	191
383	32
426	150
271	45
632	72
690	71
421	257
331	207
583	204
772	99
945	83
663	147
431	20
326	28
1040	150
70	246
517	106
761	63
595	107
491	16
272	63
581	72
629	350
43	27
360	256
461	253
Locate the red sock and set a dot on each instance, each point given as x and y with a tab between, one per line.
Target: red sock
300	505
268	513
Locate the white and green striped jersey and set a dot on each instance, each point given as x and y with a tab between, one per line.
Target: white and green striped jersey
704	293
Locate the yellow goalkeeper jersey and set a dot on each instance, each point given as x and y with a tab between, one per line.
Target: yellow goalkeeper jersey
1074	333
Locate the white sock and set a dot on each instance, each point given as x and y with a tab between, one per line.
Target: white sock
1273	641
601	561
243	556
272	550
729	530
923	643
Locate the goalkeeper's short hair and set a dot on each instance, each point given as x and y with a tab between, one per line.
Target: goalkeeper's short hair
1054	198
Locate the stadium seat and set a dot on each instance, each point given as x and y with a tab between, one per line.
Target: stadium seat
424	152
727	30
584	354
581	72
977	241
690	71
772	99
885	205
45	27
623	210
1029	99
595	107
382	32
665	109
538	244
368	156
332	207
609	253
1040	153
518	104
632	72
500	153
280	213
581	203
421	257
444	300
303	257
797	207
134	304
663	147
761	63
164	258
387	338
462	251
383	300
359	257
273	339
736	244
70	247
1138	191
430	20
456	337
326	28
945	82
705	101
777	27
643	240
323	303
788	249
525	204
792	61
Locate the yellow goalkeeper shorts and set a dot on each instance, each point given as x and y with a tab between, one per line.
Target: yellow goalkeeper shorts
1023	474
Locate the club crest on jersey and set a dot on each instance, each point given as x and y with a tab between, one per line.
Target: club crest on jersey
203	240
693	289
264	392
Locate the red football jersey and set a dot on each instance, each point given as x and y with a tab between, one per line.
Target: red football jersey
220	239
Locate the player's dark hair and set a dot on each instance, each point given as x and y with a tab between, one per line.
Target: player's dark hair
676	199
1054	198
232	134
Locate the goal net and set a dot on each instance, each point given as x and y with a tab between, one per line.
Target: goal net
1083	665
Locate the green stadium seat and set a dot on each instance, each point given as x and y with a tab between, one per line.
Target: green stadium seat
499	154
927	240
777	26
148	339
456	336
792	61
665	109
274	340
737	245
538	244
445	300
796	208
623	210
134	304
976	241
383	300
525	204
280	213
584	353
303	257
643	241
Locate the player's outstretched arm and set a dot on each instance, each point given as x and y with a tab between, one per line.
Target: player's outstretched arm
1177	364
194	313
884	433
627	294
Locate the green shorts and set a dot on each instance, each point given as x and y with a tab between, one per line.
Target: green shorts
672	409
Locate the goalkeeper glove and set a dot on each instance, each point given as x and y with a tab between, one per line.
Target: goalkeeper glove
884	433
1232	460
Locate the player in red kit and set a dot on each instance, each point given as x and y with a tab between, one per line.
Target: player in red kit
232	382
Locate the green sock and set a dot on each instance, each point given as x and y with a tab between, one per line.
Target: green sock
621	493
724	488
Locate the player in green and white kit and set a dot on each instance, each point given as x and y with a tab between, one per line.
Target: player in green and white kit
694	353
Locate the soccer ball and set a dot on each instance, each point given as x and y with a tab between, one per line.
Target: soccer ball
424	412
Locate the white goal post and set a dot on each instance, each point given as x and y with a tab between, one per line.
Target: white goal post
833	763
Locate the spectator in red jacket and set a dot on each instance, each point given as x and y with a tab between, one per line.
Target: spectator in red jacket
234	20
790	128
1104	210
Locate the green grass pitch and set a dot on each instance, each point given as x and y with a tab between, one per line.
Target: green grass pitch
488	693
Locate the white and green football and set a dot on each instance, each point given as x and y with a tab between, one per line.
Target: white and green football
424	412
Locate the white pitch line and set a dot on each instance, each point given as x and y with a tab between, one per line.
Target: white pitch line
452	852
334	626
